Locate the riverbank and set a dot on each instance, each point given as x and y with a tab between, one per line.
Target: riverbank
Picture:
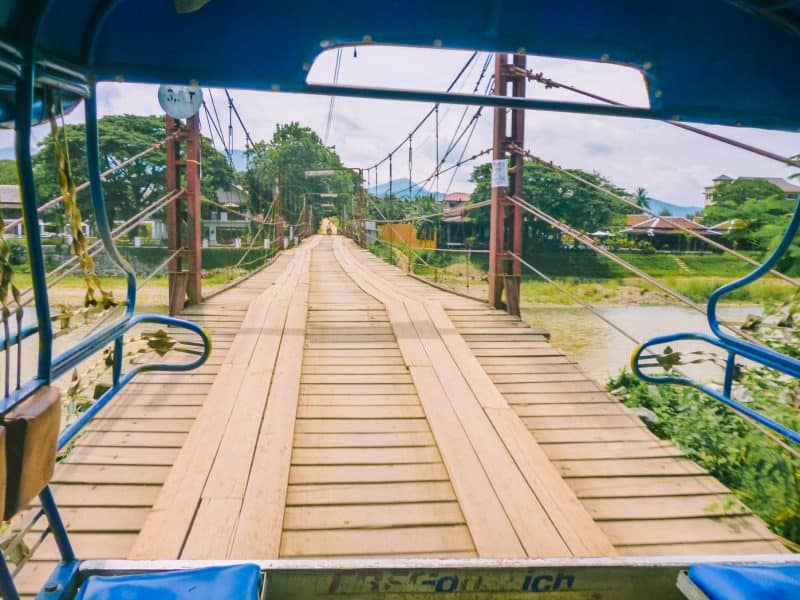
623	291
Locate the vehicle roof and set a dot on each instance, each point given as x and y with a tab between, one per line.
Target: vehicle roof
715	61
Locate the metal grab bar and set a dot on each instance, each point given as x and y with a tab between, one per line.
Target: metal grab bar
114	333
639	360
732	345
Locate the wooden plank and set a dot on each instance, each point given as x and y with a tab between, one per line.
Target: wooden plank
94	455
369	493
372	516
583	422
259	528
686	531
102	519
360	400
359	378
665	507
360	412
571	521
209	536
369	369
634	487
360	440
546	387
366	473
119	474
599	450
355	389
103	494
363	456
628	467
571	410
133	439
374	542
531	523
360	426
167	525
751	548
614	434
89	546
140	425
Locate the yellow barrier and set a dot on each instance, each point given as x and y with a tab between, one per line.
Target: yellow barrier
405	233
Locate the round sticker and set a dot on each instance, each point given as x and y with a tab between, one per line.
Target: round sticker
180	101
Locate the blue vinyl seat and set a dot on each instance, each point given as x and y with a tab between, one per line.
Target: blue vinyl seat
745	582
237	582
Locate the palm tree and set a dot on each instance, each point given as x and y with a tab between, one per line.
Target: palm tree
640	197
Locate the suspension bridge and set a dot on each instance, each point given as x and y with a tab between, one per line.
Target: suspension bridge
330	424
349	410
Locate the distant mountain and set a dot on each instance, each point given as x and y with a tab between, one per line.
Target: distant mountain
401	188
675	210
7	153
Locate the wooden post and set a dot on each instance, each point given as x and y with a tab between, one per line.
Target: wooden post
516	172
177	280
194	219
497	207
505	231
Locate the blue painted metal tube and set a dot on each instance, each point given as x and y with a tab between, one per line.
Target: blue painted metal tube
768	264
30	215
98	200
637	362
56	525
7	589
17	337
75	427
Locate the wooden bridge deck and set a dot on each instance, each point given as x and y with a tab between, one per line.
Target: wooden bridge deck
349	410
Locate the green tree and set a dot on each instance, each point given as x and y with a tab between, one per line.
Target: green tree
8	172
765	212
560	196
283	161
640	197
133	187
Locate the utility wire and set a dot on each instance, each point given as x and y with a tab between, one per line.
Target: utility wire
427	115
333	98
551	83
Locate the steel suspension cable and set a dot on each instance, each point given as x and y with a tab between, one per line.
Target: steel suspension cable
333	98
629	202
247	136
50	203
551	83
69	266
589	243
429	113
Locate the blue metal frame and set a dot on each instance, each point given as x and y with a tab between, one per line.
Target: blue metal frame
29	109
733	346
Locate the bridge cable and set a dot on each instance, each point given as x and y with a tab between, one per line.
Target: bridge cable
333	98
430	112
516	149
551	83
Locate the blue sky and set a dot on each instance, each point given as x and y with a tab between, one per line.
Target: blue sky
672	164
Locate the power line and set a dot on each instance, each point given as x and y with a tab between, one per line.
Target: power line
333	98
248	138
428	114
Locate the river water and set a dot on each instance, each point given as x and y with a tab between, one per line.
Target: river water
602	352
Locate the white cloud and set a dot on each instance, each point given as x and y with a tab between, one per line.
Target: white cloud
672	164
